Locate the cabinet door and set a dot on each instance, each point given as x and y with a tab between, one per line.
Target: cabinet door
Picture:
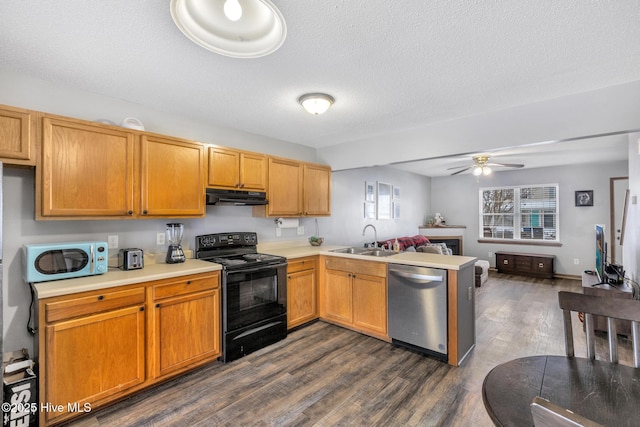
186	331
285	188
172	177
16	136
301	297
224	171
317	190
253	171
338	299
370	303
86	170
94	358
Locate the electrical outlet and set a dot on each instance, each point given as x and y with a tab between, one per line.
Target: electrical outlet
576	261
160	239
490	254
300	230
278	232
112	241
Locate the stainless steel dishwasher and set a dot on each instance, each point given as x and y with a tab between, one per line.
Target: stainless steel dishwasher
418	308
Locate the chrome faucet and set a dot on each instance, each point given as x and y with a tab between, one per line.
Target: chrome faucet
375	234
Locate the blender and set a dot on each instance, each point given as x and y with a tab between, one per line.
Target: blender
174	237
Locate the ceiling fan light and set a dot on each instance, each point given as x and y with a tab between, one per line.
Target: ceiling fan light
486	170
477	171
316	103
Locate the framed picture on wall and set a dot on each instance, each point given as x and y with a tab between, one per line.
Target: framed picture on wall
370	192
370	210
384	207
584	198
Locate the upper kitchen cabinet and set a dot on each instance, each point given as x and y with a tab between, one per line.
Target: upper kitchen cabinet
17	136
297	189
172	177
93	171
237	170
317	190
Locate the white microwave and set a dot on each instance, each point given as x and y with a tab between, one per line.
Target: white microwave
54	261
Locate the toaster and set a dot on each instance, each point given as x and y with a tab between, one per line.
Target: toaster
130	259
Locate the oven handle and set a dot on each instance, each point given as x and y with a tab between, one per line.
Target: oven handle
257	269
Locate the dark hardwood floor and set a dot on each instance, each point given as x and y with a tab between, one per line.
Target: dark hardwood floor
324	375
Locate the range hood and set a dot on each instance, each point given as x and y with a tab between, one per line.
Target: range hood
236	197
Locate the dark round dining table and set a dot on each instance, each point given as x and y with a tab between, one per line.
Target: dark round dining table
601	391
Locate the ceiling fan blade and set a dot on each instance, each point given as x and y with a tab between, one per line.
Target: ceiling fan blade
509	165
458	167
460	171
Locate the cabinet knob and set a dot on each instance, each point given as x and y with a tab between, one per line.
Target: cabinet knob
188	282
142	308
158	305
241	185
100	297
144	212
130	213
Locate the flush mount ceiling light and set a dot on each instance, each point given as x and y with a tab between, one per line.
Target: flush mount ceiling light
316	103
235	28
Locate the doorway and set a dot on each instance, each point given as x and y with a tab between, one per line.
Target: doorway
617	192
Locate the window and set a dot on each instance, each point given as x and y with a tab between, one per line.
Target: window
519	213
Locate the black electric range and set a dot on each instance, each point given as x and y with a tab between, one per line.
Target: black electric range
254	292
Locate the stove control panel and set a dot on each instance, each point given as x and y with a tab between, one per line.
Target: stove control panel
220	240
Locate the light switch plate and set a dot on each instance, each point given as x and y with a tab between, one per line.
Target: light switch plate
300	230
112	241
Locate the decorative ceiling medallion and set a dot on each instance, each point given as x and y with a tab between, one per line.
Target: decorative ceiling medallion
255	29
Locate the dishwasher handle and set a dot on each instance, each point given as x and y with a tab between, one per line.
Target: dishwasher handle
417	278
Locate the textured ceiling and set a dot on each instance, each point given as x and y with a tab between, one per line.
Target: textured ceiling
392	66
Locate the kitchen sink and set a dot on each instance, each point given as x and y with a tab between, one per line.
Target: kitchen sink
358	251
364	251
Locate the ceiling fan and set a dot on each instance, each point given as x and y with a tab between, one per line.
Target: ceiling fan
481	166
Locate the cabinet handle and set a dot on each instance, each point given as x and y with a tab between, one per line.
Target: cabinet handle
129	212
188	282
241	185
142	308
100	297
144	212
541	265
158	305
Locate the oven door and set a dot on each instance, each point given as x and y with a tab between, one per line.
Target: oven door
253	295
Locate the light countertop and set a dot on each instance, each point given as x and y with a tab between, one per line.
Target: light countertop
115	277
449	262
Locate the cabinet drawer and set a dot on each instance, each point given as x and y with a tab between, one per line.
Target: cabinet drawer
185	285
301	264
543	265
523	263
95	303
371	268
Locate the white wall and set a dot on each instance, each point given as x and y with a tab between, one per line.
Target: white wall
457	198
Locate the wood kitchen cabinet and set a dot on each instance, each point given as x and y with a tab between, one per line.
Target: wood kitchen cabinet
237	170
354	294
297	189
94	171
99	346
92	349
172	177
301	291
17	136
317	190
185	319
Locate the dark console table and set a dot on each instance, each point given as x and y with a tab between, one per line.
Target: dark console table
523	264
592	286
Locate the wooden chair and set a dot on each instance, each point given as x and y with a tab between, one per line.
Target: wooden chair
546	414
611	308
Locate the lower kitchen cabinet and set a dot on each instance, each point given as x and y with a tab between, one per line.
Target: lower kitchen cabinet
99	346
354	294
186	323
93	349
301	291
